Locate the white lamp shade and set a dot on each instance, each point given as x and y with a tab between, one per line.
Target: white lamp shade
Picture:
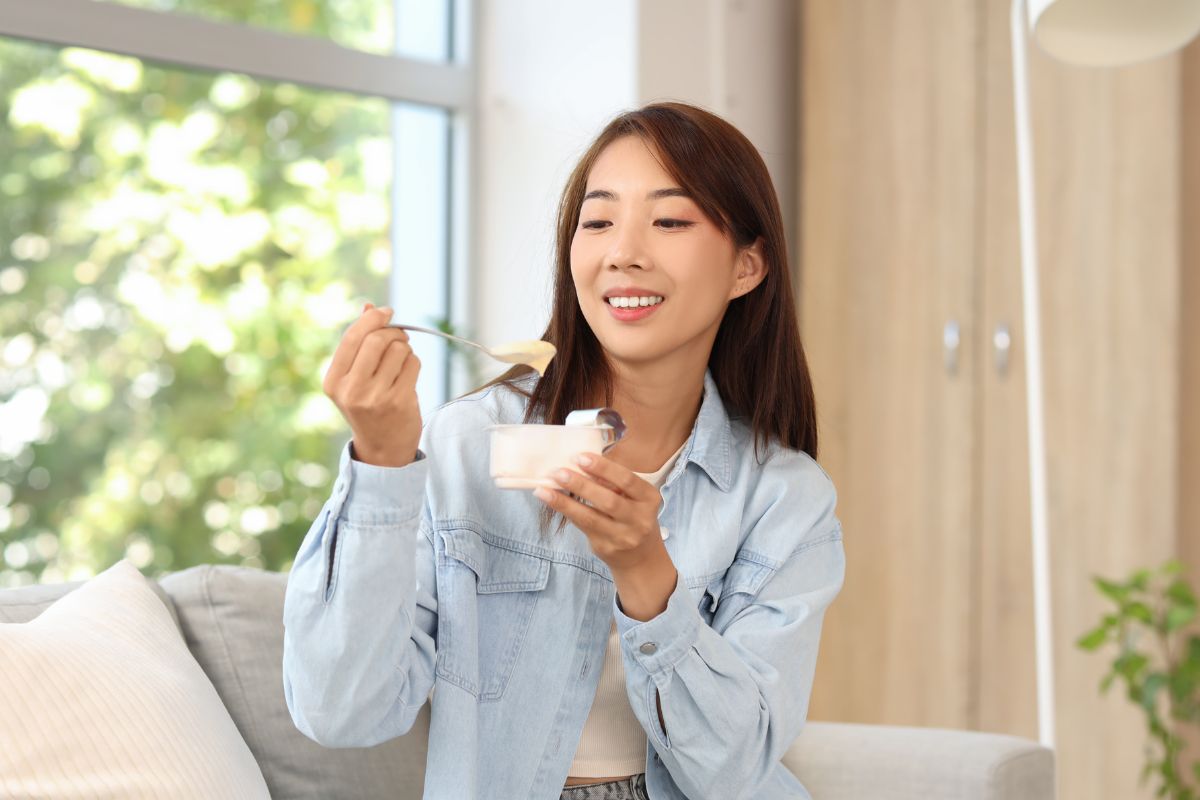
1109	33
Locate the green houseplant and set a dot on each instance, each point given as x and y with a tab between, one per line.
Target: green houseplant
1158	661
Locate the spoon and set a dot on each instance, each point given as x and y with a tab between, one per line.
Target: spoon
533	352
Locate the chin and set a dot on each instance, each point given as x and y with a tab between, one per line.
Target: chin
631	355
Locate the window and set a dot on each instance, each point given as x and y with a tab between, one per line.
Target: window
370	25
181	246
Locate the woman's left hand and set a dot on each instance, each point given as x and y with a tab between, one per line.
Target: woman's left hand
620	517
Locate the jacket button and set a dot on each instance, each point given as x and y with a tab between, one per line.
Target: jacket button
649	648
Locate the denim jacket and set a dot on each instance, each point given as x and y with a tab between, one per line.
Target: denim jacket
426	581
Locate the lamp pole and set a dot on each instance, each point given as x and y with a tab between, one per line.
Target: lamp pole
1034	391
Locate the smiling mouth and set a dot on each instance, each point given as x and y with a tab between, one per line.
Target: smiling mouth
634	302
632	313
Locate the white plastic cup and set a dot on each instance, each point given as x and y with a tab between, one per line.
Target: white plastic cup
524	456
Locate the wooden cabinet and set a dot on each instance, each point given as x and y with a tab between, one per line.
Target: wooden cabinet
908	277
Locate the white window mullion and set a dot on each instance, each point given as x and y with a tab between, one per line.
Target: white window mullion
419	239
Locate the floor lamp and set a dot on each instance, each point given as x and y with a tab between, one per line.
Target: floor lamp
1098	33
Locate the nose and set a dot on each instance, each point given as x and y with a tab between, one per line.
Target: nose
626	248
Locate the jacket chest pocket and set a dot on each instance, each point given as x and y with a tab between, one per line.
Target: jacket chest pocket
706	592
487	594
722	596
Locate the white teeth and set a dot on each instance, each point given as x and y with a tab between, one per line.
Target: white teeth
631	302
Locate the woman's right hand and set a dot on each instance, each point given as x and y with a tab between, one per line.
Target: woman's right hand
373	382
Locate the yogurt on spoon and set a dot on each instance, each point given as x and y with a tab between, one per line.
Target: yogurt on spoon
534	352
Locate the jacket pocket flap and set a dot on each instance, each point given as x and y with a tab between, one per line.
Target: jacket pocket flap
499	568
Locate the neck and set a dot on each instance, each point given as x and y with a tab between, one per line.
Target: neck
659	406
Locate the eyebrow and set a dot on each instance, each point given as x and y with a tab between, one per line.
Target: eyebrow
605	194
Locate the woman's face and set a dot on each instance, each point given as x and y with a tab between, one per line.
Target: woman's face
636	231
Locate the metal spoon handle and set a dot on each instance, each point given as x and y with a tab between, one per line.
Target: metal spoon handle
443	334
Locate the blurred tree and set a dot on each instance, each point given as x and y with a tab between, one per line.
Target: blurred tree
179	253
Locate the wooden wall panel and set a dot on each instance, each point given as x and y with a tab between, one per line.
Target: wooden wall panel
886	245
1107	152
908	218
1188	483
1108	187
1188	486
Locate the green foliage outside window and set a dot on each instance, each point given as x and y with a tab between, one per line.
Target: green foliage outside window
179	254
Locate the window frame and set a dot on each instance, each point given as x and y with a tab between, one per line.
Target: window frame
180	40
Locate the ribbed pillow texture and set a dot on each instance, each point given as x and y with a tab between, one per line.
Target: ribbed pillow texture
101	698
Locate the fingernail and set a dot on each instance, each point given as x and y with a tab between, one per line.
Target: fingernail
584	459
387	311
542	493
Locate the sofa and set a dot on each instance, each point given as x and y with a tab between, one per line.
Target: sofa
230	619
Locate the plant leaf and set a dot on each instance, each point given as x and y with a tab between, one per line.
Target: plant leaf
1140	611
1178	616
1093	638
1113	590
1140	579
1154	682
1130	664
1181	592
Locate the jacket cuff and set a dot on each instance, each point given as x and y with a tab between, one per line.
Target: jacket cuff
366	493
657	645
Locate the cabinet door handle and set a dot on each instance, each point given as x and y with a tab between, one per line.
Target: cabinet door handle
950	341
1001	344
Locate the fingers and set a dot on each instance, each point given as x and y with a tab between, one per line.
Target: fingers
586	518
344	357
590	490
407	379
396	355
618	478
370	356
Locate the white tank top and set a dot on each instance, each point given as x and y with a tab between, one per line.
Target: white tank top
613	742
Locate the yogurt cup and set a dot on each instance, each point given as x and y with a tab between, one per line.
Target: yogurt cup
525	456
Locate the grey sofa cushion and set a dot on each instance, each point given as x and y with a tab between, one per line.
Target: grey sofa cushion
845	761
232	619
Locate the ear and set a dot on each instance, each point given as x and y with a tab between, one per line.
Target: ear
751	269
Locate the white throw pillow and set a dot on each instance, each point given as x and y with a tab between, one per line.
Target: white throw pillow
100	698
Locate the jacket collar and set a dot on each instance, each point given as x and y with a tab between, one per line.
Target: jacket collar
711	443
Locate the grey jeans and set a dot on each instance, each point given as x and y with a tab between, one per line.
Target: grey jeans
631	788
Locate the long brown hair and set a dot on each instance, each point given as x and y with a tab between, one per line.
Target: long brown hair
757	359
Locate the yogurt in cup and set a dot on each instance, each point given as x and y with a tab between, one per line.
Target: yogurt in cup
524	456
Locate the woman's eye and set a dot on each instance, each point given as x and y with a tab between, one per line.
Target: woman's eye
669	224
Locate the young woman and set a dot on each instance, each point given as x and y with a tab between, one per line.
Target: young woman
660	641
